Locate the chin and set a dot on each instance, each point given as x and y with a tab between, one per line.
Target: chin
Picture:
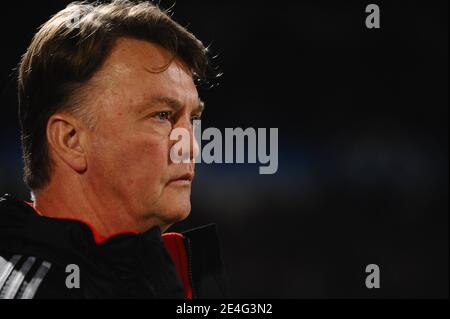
176	213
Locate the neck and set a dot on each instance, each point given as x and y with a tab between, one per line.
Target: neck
108	217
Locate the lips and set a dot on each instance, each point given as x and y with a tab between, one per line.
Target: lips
185	179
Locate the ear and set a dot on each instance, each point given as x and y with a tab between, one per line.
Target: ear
65	136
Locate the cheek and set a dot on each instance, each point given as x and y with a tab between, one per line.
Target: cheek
136	162
149	158
144	159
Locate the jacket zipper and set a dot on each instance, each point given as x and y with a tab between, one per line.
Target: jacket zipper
190	276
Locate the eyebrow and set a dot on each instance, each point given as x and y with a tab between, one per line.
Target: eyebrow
176	105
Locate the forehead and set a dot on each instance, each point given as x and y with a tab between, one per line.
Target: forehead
137	70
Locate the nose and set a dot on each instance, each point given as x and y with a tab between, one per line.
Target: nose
189	146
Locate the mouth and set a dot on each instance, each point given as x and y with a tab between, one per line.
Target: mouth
183	180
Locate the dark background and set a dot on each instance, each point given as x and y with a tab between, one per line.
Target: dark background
363	142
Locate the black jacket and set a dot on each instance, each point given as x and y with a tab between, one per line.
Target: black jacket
39	257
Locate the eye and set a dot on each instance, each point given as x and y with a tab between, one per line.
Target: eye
163	116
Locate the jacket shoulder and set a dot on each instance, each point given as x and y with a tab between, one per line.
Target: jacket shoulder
29	277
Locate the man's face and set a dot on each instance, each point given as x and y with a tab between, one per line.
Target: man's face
136	107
